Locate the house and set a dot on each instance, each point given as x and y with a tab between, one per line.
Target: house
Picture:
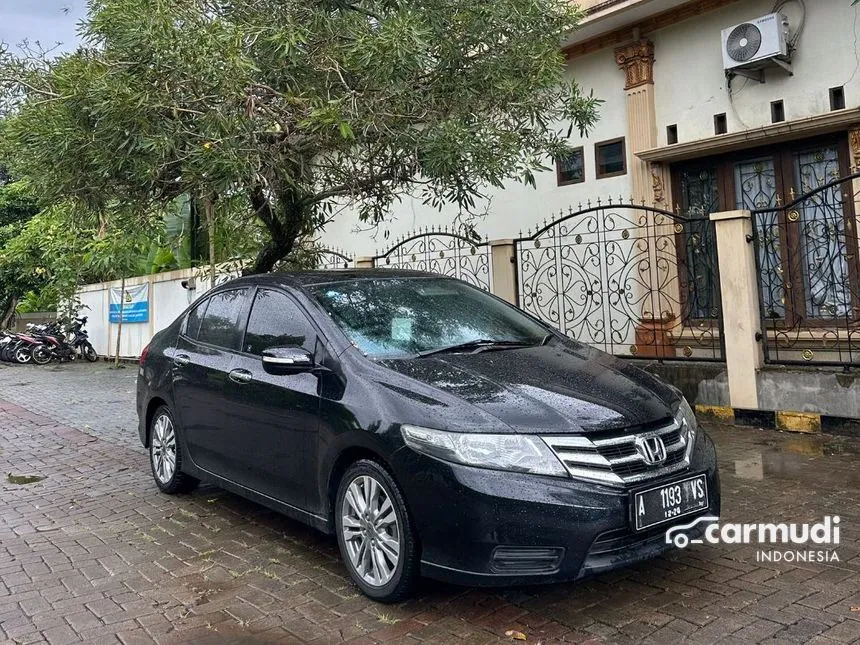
711	106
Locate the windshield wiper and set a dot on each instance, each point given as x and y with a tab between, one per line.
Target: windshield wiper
477	345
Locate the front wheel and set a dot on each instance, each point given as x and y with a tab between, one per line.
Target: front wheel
89	352
41	355
374	532
165	456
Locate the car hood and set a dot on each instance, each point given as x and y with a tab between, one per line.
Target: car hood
562	387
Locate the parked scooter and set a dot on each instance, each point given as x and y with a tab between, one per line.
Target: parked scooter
43	343
64	347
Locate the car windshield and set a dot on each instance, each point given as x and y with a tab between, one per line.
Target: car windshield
396	317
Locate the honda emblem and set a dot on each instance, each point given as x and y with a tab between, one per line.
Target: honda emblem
651	449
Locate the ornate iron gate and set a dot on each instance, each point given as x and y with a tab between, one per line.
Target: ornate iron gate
809	276
443	252
628	279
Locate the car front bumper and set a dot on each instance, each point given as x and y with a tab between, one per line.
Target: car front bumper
464	514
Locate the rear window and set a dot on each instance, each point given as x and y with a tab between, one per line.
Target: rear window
220	323
192	321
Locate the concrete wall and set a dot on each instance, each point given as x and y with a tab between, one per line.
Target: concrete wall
167	299
36	318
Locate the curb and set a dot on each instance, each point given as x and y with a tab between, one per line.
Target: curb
786	420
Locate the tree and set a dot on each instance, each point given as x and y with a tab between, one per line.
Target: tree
300	108
17	207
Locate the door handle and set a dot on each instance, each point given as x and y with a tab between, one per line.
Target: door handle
181	359
240	376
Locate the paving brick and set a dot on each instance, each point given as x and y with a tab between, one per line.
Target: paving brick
120	563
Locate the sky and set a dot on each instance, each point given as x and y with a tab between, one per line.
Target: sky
48	21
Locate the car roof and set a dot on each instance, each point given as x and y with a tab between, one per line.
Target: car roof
301	279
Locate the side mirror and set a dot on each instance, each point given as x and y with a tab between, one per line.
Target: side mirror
287	360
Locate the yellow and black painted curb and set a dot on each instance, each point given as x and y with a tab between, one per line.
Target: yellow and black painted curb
787	420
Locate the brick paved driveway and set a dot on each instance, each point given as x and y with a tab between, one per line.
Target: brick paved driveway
93	553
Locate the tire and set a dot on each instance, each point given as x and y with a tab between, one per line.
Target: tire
23	354
367	541
41	355
165	456
89	352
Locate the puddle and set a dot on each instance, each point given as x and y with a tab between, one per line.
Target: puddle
23	479
816	458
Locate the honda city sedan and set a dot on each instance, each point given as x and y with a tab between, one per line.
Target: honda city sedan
433	428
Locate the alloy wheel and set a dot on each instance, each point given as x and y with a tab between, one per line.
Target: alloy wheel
371	532
163	449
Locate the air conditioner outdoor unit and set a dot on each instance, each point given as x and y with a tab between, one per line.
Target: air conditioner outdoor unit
756	44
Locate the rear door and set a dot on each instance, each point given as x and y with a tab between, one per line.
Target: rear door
204	355
277	415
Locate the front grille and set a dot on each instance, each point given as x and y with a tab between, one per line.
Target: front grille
612	457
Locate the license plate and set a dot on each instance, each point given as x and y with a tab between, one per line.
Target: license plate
668	502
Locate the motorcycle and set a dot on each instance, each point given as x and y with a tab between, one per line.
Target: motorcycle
64	347
19	347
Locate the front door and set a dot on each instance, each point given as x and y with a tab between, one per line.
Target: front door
277	415
805	276
202	360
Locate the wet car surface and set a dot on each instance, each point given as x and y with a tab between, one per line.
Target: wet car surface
432	428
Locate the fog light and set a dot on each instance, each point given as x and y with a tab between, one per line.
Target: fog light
515	560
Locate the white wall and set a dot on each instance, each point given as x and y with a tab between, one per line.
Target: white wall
167	299
518	207
690	85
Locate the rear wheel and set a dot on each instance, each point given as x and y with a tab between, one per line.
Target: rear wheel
89	353
41	355
375	535
165	456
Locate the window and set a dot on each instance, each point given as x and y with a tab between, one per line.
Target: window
671	134
837	98
571	168
396	317
220	324
277	321
611	159
720	124
777	112
192	322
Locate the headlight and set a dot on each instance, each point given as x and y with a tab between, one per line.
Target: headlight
519	453
687	419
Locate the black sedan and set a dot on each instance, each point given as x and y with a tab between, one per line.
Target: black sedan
433	428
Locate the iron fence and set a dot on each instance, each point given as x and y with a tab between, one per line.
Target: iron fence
444	252
334	259
626	278
808	280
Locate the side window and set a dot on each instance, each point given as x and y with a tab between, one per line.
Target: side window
192	321
220	324
277	321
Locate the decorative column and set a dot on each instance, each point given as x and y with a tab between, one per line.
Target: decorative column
637	61
364	262
854	166
656	334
